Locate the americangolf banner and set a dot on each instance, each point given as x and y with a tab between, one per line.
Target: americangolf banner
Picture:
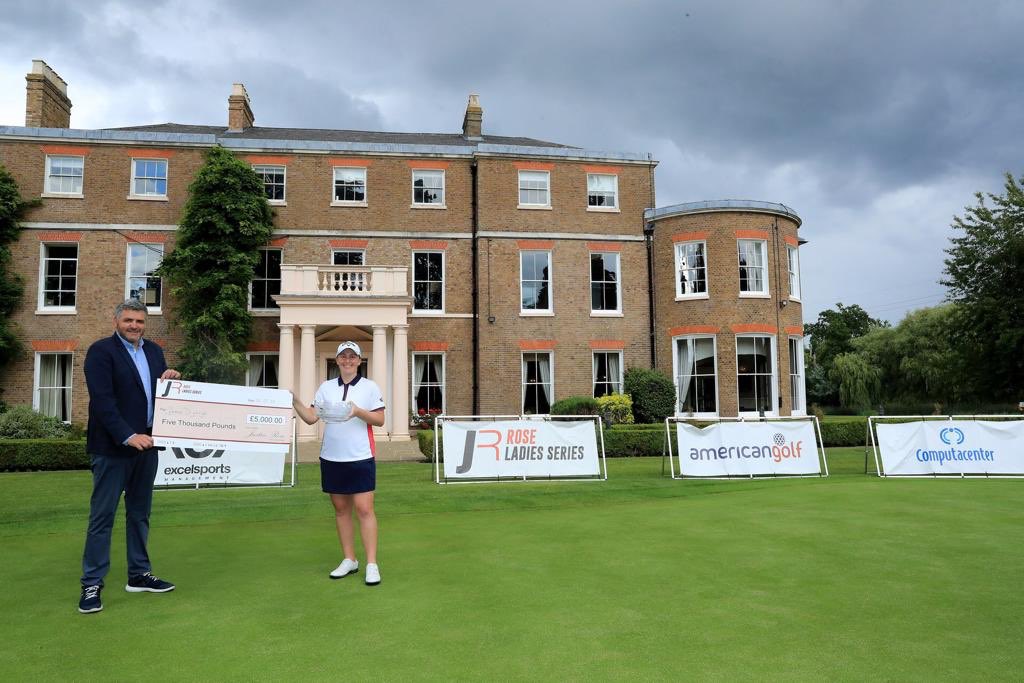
731	449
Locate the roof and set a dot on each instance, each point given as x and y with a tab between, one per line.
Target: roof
721	205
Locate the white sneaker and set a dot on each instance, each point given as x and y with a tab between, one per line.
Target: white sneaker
346	567
372	575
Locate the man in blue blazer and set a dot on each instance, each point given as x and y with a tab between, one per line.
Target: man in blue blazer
121	373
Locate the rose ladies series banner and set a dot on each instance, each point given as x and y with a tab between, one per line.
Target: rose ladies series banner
956	447
743	449
522	448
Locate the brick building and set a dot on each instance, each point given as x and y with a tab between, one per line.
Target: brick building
480	274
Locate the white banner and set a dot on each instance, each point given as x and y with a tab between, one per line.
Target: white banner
188	467
524	448
728	449
220	417
952	447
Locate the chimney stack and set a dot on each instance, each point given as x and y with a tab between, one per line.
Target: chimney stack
46	98
239	112
472	123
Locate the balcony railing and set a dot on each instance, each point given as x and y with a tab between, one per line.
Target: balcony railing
344	281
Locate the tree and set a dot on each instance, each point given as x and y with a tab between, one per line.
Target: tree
12	209
832	335
226	220
859	382
985	276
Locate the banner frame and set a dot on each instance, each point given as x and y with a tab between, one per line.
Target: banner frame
439	425
879	472
676	419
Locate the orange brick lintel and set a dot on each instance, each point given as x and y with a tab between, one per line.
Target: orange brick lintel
535	244
63	149
791	241
278	242
337	161
690	236
267	161
533	165
427	164
428	244
263	346
429	346
146	237
796	330
754	327
751	234
604	246
150	153
353	244
55	236
54	345
536	344
607	170
693	329
608	344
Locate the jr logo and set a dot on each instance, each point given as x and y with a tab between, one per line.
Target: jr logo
167	389
471	445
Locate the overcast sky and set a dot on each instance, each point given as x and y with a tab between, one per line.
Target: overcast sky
875	121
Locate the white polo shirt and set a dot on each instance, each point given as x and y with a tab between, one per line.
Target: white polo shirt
351	440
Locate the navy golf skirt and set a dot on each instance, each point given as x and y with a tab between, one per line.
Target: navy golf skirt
348	477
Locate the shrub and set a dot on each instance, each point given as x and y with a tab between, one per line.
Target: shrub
21	422
844	432
620	442
653	394
42	454
575	405
615	409
425	440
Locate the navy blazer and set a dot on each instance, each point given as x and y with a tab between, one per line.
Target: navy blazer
117	400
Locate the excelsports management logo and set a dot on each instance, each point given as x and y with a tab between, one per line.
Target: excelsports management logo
194	469
514	444
778	451
953	437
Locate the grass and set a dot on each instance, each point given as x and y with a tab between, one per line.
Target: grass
640	578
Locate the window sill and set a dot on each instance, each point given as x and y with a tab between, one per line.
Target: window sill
536	314
795	299
755	295
428	206
62	195
147	198
265	312
534	207
56	311
693	297
427	313
277	202
602	209
350	204
606	314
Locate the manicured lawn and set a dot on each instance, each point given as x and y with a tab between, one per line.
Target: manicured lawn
638	578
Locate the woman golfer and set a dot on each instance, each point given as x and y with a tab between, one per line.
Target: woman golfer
350	406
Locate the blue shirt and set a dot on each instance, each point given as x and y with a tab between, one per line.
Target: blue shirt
142	365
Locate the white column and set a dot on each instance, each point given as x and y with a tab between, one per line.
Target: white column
399	407
307	376
286	358
380	372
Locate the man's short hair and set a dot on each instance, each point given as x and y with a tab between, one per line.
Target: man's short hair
130	305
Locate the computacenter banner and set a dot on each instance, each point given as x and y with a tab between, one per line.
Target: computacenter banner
952	447
523	448
732	449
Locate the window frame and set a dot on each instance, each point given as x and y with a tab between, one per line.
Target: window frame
443	204
523	384
547	190
339	250
550	310
750	293
276	309
41	306
249	355
152	309
442	384
773	383
676	371
37	389
793	260
412	272
614	208
605	312
258	169
48	191
679	248
593	374
150	196
800	374
334	187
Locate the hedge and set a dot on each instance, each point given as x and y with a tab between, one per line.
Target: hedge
20	455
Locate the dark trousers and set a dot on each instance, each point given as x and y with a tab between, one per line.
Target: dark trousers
112	475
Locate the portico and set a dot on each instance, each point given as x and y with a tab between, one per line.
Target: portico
322	305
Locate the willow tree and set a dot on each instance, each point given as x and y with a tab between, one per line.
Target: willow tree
859	381
225	222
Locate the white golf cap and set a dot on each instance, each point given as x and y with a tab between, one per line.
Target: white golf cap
351	346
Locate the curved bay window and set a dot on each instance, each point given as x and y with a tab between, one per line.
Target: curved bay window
696	379
754	375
